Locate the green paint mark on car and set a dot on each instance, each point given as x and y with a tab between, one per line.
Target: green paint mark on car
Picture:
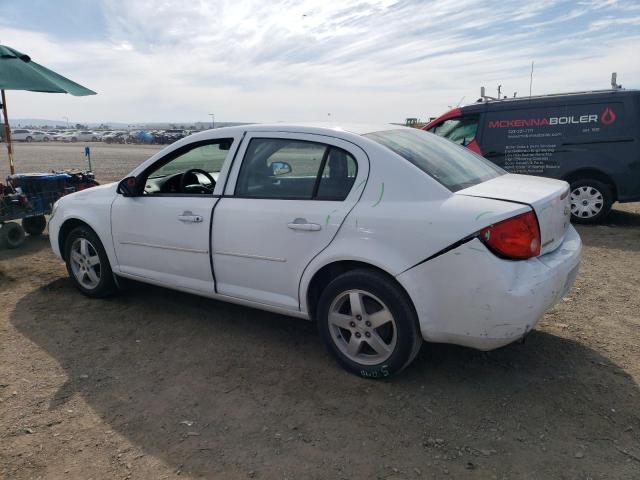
326	223
381	195
483	213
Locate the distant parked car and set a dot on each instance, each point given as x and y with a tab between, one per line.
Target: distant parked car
86	136
115	137
174	134
55	134
22	135
68	137
41	136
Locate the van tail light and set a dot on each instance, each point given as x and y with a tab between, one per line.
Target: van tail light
516	238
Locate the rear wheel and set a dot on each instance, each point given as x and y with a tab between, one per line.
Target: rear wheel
591	201
87	263
29	139
369	324
34	225
11	235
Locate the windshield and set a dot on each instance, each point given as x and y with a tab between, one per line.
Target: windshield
453	166
459	130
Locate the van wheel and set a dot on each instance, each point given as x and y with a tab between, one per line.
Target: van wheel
369	324
591	201
87	263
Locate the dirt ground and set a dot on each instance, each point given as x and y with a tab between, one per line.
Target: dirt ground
155	384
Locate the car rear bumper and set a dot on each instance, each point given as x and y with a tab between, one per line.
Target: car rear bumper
470	297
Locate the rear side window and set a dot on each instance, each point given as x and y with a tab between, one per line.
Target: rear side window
459	130
452	166
295	169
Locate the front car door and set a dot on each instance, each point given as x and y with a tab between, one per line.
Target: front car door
286	199
162	235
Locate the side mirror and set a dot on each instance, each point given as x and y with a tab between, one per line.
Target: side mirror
128	187
280	168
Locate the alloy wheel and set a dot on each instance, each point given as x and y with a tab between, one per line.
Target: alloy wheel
362	327
85	263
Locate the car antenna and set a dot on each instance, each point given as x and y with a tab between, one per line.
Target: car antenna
531	79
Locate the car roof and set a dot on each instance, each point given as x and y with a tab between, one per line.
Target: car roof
317	127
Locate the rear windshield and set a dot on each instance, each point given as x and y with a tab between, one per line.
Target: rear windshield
453	166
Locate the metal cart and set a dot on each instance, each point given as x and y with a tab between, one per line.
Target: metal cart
29	197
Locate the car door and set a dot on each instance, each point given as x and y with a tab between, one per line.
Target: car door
162	234
285	201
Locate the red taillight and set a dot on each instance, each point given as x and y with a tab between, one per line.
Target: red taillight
515	238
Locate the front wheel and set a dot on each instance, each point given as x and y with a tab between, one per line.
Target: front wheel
591	201
87	263
369	324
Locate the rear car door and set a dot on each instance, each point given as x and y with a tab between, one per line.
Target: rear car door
287	197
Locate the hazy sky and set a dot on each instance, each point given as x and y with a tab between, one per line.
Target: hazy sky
366	60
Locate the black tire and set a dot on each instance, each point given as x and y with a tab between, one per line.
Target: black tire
106	285
34	226
74	139
408	337
11	235
46	139
602	194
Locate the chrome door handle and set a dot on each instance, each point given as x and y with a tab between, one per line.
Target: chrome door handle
189	217
304	225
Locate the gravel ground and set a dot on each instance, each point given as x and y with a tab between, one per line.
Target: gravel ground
157	384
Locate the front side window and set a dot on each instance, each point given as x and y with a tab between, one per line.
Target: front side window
459	130
192	169
452	166
295	169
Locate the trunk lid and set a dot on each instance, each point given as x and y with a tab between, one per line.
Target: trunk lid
548	197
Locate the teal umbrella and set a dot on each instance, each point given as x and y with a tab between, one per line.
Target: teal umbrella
19	72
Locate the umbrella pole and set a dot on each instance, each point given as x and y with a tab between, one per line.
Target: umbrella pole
7	131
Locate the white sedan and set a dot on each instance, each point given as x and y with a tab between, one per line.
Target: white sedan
383	235
81	136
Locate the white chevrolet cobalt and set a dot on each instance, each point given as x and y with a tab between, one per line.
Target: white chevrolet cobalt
383	235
